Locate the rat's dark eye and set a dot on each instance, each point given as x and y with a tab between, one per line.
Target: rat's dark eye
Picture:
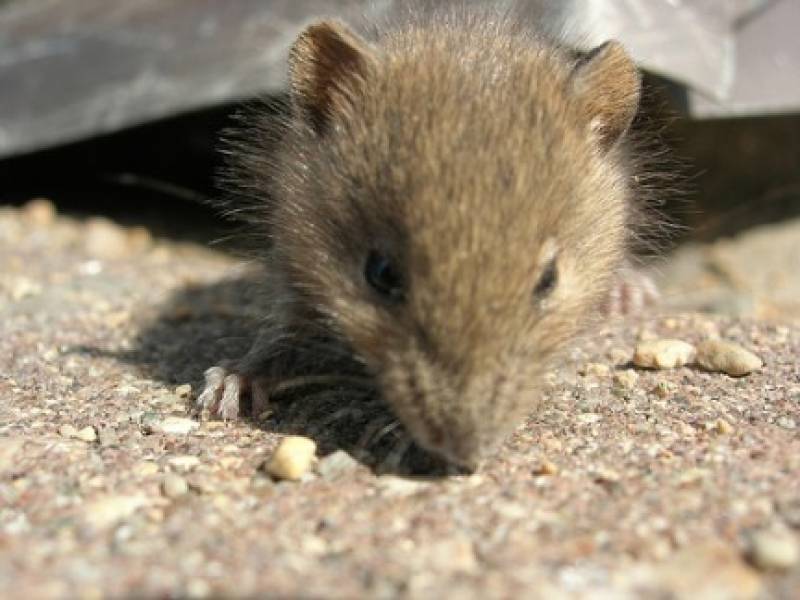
382	275
547	282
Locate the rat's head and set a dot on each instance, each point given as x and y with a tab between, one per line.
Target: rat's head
454	207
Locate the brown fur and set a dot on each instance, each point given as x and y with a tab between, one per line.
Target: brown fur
471	154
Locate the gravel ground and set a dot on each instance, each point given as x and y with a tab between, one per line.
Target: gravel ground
627	483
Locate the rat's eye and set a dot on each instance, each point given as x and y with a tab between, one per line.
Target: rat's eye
548	280
382	275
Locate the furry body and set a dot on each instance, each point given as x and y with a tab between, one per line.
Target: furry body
446	206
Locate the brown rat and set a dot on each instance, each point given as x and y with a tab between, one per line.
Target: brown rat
447	205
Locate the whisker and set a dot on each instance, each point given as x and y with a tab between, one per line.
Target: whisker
340	415
311	380
376	427
395	457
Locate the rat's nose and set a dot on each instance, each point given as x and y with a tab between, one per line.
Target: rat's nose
464	453
463	446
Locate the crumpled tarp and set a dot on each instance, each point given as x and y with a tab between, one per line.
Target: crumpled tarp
738	57
71	69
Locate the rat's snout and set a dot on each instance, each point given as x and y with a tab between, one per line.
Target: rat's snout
454	408
460	439
462	448
463	426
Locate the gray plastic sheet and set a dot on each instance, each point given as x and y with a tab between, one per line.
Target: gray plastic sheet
72	69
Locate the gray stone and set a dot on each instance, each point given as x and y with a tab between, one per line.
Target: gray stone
336	465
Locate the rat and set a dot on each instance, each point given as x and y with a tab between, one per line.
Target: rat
447	205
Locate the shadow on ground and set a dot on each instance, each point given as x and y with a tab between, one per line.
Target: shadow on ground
201	326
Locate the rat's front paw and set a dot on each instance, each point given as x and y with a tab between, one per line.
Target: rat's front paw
222	393
224	390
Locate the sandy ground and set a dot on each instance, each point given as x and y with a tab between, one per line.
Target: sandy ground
628	483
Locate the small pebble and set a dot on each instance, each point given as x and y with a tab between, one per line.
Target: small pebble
727	357
108	437
773	550
39	211
184	463
596	369
392	485
705	569
183	391
22	287
109	510
171	426
67	431
626	379
589	418
663	354
9	449
292	458
692	477
197	588
455	554
720	426
87	434
117	319
203	483
619	356
336	465
139	238
546	468
603	475
145	468
663	389
174	486
104	239
645	335
790	512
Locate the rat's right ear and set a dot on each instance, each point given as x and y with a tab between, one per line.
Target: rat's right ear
326	62
608	84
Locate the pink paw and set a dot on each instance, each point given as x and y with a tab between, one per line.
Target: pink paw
632	293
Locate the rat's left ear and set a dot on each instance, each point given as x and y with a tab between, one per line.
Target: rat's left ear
326	63
608	84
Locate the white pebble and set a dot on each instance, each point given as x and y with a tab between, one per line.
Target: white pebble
596	369
773	550
626	379
589	418
173	426
727	357
67	431
174	486
87	434
183	391
392	485
663	354
184	463
292	458
109	510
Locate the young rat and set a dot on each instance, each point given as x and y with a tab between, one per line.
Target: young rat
446	205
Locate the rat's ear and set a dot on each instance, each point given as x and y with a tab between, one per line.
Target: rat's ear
608	84
325	62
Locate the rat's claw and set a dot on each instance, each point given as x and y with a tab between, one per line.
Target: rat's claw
222	393
224	390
